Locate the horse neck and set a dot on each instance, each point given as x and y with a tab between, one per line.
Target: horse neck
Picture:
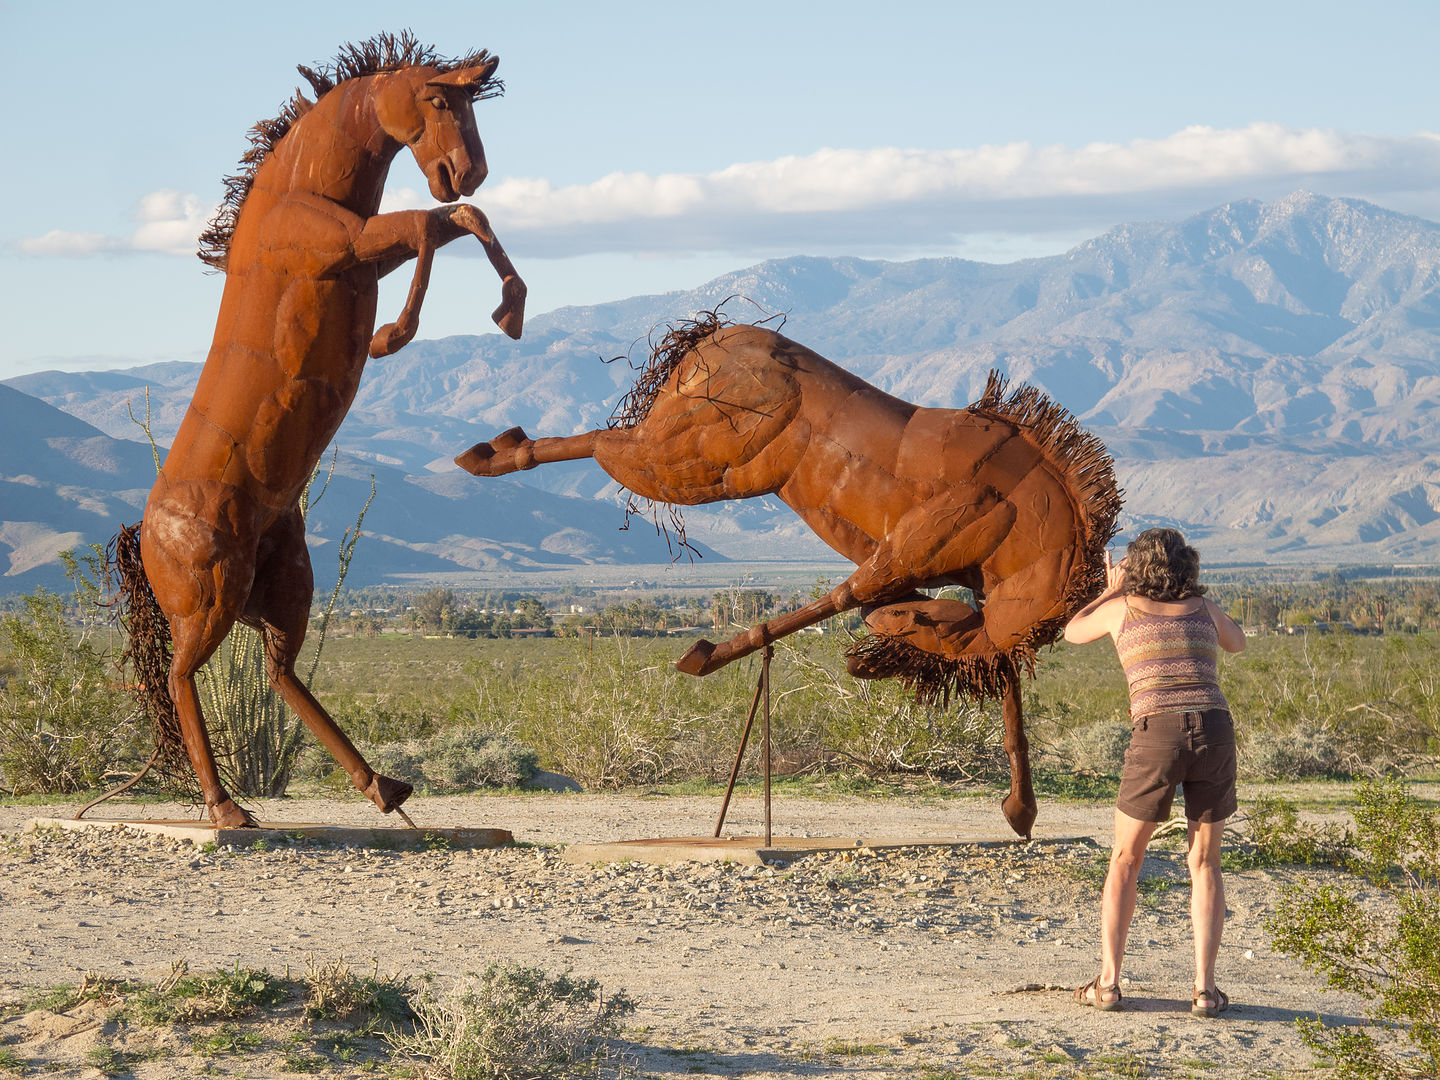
338	150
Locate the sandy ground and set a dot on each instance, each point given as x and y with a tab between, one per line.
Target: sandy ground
916	961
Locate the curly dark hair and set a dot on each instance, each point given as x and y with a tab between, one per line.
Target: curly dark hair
1159	565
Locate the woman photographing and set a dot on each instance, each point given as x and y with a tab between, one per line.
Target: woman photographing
1168	637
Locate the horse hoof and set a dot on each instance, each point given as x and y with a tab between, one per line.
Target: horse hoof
861	667
390	338
1019	814
491	458
509	439
476	460
386	793
697	660
229	816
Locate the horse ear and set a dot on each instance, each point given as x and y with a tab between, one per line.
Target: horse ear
468	78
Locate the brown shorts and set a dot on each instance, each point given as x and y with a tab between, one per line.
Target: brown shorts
1192	749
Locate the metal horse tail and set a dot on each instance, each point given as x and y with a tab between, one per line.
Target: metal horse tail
147	647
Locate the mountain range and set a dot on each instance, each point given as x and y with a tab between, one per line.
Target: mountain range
1266	375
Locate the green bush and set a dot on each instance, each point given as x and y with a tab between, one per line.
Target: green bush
1384	948
879	727
1292	755
455	760
64	724
1277	837
1345	705
514	1021
1097	749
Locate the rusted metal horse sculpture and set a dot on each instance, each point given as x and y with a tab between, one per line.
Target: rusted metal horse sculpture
1009	498
302	245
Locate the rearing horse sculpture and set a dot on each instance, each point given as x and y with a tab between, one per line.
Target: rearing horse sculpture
303	246
1009	498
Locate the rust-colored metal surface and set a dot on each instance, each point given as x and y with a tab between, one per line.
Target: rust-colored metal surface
302	246
1009	498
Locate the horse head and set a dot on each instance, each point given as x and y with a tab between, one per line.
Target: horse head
432	113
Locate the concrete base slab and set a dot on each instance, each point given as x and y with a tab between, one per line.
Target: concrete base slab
203	832
753	851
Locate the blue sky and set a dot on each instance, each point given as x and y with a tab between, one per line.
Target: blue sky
646	147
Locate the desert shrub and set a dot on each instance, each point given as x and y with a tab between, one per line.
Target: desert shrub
1386	949
335	992
182	998
878	726
513	1021
1349	705
1275	836
1097	749
64	725
616	716
456	760
1291	755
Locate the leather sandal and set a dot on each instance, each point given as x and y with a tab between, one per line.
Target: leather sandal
1084	997
1222	1002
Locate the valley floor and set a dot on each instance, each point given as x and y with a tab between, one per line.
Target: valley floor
912	962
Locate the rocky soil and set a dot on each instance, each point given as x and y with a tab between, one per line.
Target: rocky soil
915	961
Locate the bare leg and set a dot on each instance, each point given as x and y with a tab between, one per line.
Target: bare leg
1207	902
1117	904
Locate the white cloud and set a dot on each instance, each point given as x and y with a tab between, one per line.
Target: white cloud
61	242
169	222
853	199
891	198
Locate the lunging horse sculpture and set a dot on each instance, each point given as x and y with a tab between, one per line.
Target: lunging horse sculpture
1009	498
302	245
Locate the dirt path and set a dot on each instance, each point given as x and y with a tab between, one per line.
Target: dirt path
868	964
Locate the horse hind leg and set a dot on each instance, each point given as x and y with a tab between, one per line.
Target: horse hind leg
514	451
194	638
279	607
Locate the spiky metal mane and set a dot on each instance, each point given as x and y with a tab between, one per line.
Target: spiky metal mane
1083	462
384	52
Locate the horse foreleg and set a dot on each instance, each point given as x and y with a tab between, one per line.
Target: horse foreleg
392	337
1019	807
514	451
970	521
510	315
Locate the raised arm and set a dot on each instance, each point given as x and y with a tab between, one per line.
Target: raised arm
1231	637
1105	613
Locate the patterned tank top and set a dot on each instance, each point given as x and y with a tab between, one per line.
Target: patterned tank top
1172	662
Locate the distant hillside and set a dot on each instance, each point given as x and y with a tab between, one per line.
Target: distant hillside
1267	374
64	484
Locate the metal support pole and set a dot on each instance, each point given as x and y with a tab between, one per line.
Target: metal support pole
744	741
765	681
